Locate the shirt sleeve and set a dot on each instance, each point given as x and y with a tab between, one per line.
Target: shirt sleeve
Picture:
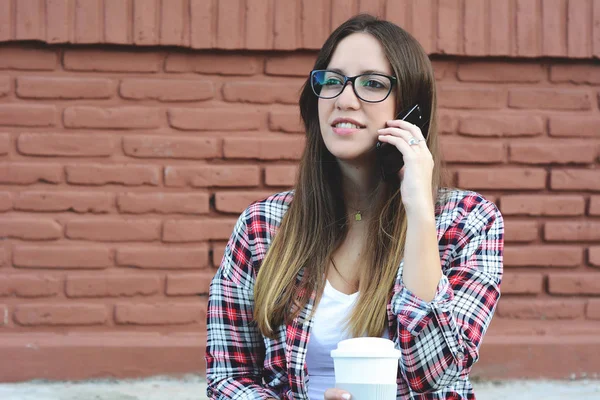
440	339
235	346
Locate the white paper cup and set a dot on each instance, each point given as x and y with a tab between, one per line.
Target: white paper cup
367	368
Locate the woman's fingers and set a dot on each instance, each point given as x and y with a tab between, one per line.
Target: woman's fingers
413	129
337	394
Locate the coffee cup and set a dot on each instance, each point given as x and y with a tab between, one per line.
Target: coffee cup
367	368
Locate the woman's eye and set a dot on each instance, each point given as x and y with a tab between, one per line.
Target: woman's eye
331	82
373	84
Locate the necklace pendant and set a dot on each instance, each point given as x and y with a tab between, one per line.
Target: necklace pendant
357	216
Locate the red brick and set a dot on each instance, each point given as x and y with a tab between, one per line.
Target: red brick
212	176
521	283
222	119
501	72
167	258
596	32
594	206
218	250
113	230
172	16
285	121
180	231
574	126
88	21
373	7
546	205
28	20
64	88
594	256
163	203
554	27
112	286
259	25
395	12
549	99
593	309
6	29
230	19
285	25
314	23
542	256
5	144
582	284
566	231
202	24
160	314
575	73
236	202
29	286
290	64
475	28
502	178
264	149
167	89
171	147
447	122
6	201
443	69
280	175
578	29
62	257
21	58
92	202
117	21
189	284
57	12
528	23
472	98
213	64
575	179
521	231
145	28
65	145
555	152
423	30
541	309
123	117
5	85
27	115
21	173
501	33
262	92
111	61
449	22
501	125
468	151
128	175
27	228
60	314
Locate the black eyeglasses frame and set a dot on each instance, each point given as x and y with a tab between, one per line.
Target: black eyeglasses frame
351	79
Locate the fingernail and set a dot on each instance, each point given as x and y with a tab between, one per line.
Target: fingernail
346	396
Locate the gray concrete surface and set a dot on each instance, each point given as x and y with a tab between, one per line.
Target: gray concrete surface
194	388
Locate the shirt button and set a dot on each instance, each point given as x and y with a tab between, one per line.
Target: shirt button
460	355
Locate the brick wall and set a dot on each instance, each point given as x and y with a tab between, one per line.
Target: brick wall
123	170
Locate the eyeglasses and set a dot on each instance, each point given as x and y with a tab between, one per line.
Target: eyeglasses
371	87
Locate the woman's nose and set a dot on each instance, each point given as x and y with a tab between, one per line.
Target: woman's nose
348	98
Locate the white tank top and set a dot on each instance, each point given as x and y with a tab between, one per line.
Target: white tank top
327	330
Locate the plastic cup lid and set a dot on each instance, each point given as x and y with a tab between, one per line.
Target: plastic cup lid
366	347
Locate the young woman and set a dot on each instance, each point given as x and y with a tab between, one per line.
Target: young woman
348	253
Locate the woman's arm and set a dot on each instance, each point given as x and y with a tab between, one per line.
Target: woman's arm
235	347
440	338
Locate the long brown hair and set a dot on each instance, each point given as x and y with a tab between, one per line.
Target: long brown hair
315	224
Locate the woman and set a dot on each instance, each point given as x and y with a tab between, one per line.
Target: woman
348	253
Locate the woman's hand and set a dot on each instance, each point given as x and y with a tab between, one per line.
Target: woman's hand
417	172
337	394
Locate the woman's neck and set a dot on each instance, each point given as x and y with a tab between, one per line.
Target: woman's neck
358	184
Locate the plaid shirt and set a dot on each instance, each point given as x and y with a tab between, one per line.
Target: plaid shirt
439	340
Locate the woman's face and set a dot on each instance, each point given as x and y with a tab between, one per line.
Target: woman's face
355	54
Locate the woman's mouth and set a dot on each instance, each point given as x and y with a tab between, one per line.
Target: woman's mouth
345	128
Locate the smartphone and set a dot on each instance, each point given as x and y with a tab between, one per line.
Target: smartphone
390	158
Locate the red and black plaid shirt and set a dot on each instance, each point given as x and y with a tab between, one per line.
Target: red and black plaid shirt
439	340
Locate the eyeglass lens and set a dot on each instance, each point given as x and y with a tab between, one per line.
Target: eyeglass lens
368	87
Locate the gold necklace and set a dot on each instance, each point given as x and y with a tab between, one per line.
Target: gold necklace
357	216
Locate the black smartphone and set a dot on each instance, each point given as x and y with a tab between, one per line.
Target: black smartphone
390	158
